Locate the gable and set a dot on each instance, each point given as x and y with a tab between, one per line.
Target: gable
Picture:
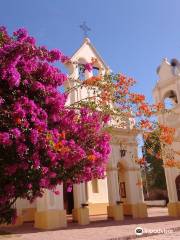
86	52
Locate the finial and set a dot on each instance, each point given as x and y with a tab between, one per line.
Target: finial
165	59
86	40
85	29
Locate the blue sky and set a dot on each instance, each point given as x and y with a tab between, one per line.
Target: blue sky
132	36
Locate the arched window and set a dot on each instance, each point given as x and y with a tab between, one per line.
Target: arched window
81	70
170	99
95	71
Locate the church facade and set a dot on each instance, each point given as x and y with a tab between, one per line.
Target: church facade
119	194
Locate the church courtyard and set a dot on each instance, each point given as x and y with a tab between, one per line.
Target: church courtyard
157	222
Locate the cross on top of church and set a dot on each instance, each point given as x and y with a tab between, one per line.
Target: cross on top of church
85	29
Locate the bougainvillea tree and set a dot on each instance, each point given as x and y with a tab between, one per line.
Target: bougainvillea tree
42	143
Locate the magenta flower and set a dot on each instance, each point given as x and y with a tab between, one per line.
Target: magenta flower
34	136
16	133
1	101
21	34
42	142
5	138
88	67
21	149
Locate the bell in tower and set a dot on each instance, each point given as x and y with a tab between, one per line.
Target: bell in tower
85	63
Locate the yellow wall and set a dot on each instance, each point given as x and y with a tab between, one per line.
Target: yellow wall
28	214
97	208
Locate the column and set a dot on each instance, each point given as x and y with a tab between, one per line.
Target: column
28	210
19	219
135	192
50	213
20	205
80	211
115	208
173	205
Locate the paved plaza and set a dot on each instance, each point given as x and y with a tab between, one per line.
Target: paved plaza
157	226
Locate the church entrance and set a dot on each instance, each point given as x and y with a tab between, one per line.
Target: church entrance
123	184
68	199
178	187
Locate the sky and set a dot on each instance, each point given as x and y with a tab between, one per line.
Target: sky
132	36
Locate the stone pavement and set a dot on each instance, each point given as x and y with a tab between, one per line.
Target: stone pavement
169	236
102	229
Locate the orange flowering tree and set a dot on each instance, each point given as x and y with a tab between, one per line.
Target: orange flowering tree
158	144
111	94
157	152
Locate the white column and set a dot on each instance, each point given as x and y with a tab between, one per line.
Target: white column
51	201
19	219
50	213
140	188
133	198
115	210
80	213
19	206
113	187
27	209
136	199
174	204
135	191
171	186
79	192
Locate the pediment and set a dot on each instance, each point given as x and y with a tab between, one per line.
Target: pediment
86	52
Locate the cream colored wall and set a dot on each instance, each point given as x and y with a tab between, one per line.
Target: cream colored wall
130	176
23	204
98	202
102	195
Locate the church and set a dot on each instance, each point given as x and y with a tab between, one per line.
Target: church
119	194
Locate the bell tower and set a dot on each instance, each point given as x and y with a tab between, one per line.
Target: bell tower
84	55
167	91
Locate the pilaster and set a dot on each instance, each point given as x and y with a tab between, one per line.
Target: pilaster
50	213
